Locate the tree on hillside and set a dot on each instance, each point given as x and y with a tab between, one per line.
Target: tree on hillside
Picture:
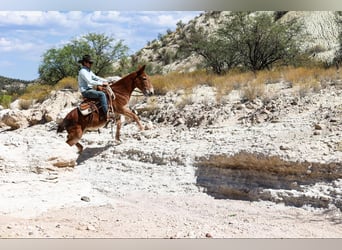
252	41
217	56
259	41
59	63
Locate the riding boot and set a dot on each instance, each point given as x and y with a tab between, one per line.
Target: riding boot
103	115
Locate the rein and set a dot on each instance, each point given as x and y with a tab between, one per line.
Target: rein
135	90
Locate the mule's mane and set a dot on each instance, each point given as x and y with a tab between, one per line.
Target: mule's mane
124	85
123	79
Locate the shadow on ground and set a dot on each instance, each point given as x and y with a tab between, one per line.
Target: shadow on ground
91	152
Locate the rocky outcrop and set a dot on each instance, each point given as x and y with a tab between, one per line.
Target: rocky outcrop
249	176
14	119
39	113
322	30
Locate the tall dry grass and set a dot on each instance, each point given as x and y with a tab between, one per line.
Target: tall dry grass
67	83
303	79
40	92
176	81
311	79
251	85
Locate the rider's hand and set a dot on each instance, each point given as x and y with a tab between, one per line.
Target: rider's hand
105	84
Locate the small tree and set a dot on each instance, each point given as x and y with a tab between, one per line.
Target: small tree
259	41
217	56
59	63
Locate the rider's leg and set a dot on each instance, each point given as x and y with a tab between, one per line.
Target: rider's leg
98	95
103	101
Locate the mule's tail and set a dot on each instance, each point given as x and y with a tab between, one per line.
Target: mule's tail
61	127
68	121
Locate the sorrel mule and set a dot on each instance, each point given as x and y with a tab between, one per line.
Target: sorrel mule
77	124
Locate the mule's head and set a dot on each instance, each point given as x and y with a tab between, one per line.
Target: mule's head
142	82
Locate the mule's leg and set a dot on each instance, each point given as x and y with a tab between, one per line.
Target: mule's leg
80	147
127	112
74	135
118	127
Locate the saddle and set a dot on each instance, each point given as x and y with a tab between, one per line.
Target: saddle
90	105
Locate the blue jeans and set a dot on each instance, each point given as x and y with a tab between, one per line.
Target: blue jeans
91	93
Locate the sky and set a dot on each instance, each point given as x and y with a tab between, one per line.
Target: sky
26	35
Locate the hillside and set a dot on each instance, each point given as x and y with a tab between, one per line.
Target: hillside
321	26
10	85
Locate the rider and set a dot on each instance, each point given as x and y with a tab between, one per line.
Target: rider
88	82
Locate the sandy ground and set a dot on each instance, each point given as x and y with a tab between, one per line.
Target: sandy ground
173	216
108	196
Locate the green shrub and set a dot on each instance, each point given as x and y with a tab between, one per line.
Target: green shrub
38	92
5	100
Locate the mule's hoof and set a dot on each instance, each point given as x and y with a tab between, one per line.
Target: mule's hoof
79	147
149	126
117	141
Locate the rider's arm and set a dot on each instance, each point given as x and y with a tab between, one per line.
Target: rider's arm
87	79
97	78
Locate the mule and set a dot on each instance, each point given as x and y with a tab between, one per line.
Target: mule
77	124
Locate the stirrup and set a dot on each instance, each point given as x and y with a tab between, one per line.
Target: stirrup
110	116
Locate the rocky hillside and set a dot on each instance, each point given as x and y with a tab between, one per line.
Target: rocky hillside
9	85
321	26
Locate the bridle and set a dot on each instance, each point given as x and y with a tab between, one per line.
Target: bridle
142	78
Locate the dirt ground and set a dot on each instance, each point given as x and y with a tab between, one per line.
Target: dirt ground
146	187
176	216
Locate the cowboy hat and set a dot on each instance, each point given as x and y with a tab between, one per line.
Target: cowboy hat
86	58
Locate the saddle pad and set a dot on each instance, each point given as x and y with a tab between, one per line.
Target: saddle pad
86	108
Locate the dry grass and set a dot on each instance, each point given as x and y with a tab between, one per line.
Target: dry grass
223	87
67	83
232	81
176	81
25	104
339	146
298	76
152	105
311	79
303	79
186	99
253	90
38	92
251	85
269	77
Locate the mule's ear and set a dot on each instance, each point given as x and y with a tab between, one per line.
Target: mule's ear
141	70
